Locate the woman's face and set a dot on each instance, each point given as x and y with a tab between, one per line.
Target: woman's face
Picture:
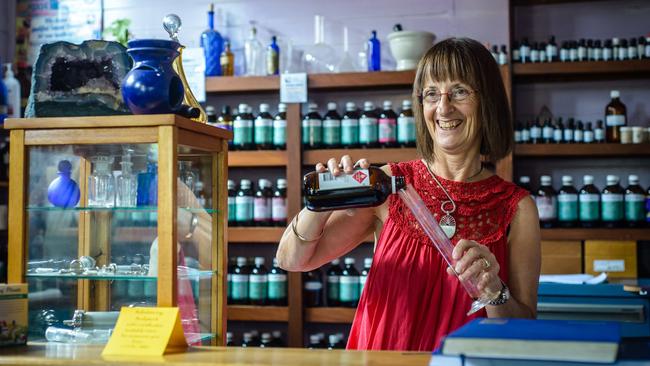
450	112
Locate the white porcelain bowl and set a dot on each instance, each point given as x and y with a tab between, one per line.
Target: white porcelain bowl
408	47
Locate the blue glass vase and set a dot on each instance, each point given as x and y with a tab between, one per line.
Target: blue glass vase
152	86
63	191
212	44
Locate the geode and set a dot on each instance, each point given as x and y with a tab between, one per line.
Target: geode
78	80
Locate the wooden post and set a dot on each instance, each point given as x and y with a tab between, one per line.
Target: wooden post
17	250
167	211
220	243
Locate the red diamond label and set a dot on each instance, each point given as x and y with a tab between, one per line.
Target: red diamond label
359	176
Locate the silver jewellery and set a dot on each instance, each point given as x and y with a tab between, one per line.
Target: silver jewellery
447	222
294	223
486	263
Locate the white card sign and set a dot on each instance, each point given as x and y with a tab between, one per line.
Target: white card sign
293	88
194	67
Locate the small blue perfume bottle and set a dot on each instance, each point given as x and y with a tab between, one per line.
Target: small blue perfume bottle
273	57
63	191
212	44
374	53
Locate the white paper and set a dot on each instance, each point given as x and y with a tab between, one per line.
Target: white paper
194	67
293	88
574	279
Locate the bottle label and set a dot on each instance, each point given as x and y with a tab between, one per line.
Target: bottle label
547	132
557	135
349	288
567	207
568	135
578	136
615	120
535	132
599	134
331	132
257	287
239	287
263	131
349	131
634	207
598	54
589	207
367	130
312	131
622	53
280	132
261	209
272	62
406	129
517	136
277	286
313	286
333	284
387	130
242	132
612	207
232	207
229	285
243	208
360	178
525	135
546	207
564	54
279	209
588	137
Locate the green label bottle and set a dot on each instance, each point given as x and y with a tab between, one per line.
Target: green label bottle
612	203
567	202
634	203
258	283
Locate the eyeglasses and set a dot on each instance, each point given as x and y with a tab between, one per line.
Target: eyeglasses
456	95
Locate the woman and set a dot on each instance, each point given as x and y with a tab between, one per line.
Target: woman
411	300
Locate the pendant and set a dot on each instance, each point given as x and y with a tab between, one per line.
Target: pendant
448	225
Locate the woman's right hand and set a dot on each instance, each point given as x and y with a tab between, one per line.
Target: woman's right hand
344	166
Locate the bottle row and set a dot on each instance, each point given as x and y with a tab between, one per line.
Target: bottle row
254	284
614	206
614	49
253	339
371	127
341	286
262	207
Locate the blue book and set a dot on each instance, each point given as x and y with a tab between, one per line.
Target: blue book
527	339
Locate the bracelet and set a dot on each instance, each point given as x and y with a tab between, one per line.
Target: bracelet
294	223
503	297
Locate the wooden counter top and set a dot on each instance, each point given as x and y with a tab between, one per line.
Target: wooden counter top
71	355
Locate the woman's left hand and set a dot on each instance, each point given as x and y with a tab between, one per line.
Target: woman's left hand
472	259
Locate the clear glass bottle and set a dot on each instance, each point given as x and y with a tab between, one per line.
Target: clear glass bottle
253	55
612	203
567	203
320	57
546	200
127	183
101	184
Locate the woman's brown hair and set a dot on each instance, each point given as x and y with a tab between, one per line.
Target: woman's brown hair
468	61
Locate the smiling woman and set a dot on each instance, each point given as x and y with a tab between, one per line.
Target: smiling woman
411	300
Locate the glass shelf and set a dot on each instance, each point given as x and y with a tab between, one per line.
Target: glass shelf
194	275
113	209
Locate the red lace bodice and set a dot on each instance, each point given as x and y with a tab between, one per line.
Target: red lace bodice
409	301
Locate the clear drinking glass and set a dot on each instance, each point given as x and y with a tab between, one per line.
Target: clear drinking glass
101	184
444	245
127	186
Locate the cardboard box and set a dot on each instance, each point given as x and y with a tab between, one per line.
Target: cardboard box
617	258
13	314
561	257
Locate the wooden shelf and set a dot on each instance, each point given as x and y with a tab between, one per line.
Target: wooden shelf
257	158
270	235
596	234
329	315
581	150
362	80
4	184
242	84
588	70
258	313
375	156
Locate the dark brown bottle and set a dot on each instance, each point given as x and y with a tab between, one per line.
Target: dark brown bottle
312	289
612	203
589	203
363	188
546	200
615	117
635	213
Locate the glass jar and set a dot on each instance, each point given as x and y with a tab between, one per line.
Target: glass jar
101	184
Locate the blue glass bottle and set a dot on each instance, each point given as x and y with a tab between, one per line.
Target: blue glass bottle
374	53
212	44
63	191
273	58
147	194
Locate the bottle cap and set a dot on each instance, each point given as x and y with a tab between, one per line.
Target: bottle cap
633	179
321	336
336	262
275	262
314	338
524	179
567	180
406	104
350	106
333	338
614	94
282	107
312	107
210	110
277	334
388	105
241	261
368	106
264	108
266	337
231	184
367	262
259	261
242	108
245	184
545	180
331	106
281	183
612	179
247	337
263	183
229	336
588	179
349	260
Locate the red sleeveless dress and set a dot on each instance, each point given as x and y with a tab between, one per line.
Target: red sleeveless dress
409	302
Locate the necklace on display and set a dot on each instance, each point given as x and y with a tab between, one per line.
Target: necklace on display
448	222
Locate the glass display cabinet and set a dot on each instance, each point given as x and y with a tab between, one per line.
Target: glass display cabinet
106	212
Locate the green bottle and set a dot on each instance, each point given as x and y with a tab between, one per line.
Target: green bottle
589	203
567	203
612	203
331	127
634	203
312	128
258	282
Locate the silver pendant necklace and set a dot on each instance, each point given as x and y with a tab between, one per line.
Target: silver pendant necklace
448	222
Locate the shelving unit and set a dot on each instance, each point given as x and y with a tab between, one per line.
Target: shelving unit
375	156
258	158
269	235
329	315
587	70
258	313
582	150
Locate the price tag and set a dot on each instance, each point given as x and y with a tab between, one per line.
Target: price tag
293	88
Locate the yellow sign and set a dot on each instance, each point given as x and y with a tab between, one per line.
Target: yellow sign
146	332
